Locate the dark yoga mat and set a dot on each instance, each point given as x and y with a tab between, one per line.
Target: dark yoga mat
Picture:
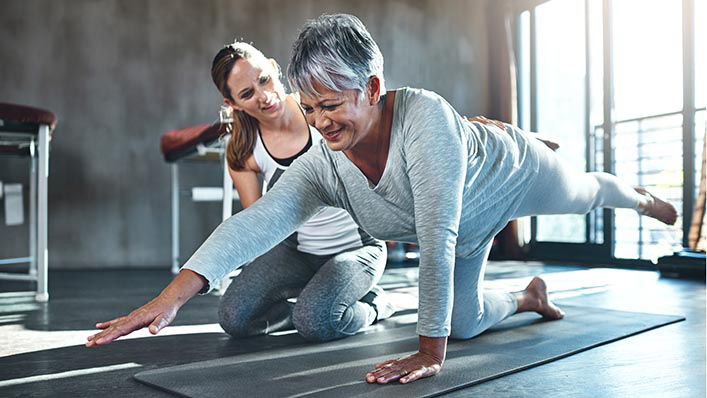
337	369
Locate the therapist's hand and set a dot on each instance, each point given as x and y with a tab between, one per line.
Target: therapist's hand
424	363
484	120
156	314
548	141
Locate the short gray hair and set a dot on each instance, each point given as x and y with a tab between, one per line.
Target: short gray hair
337	52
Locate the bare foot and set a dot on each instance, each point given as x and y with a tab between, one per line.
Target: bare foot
657	208
534	298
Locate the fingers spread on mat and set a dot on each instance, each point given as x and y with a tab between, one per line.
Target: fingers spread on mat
406	369
156	314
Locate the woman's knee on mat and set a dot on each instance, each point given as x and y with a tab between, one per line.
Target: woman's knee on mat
320	322
233	313
463	328
232	321
312	323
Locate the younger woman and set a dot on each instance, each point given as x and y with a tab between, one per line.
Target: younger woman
329	263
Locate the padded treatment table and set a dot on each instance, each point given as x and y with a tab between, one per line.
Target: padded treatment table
26	132
202	142
183	143
337	369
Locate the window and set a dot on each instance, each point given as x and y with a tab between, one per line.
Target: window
620	103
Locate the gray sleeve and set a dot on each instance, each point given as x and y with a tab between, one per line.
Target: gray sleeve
250	233
437	155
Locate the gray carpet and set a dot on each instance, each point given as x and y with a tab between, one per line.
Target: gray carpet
337	369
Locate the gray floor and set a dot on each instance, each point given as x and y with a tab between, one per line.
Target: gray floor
41	351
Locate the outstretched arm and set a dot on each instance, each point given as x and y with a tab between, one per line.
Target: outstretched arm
244	236
156	314
237	240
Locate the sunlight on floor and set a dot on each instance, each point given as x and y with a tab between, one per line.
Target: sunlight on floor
47	340
71	373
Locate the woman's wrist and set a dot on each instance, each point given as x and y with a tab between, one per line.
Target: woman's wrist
183	287
436	347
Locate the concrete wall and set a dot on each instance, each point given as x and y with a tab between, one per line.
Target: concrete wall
118	74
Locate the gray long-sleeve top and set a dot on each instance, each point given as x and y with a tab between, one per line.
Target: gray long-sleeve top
449	185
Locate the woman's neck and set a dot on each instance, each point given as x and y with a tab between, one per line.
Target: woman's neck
370	155
375	137
288	122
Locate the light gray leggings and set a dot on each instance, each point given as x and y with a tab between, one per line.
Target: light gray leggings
327	289
558	189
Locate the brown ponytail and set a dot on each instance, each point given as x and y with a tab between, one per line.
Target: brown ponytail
244	128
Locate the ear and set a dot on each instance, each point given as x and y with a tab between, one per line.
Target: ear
373	90
232	104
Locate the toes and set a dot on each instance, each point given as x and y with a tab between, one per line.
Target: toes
552	312
559	314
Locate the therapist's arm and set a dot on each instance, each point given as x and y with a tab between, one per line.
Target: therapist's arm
246	182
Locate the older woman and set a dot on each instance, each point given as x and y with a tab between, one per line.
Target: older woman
406	167
414	170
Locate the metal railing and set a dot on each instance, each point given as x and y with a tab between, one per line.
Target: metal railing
648	151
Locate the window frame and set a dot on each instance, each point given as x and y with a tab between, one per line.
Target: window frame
602	252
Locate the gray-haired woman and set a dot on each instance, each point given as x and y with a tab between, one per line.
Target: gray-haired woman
408	167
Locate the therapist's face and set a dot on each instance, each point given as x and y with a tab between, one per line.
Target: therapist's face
256	88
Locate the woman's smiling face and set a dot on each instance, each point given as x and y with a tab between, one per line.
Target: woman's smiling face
343	118
256	88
